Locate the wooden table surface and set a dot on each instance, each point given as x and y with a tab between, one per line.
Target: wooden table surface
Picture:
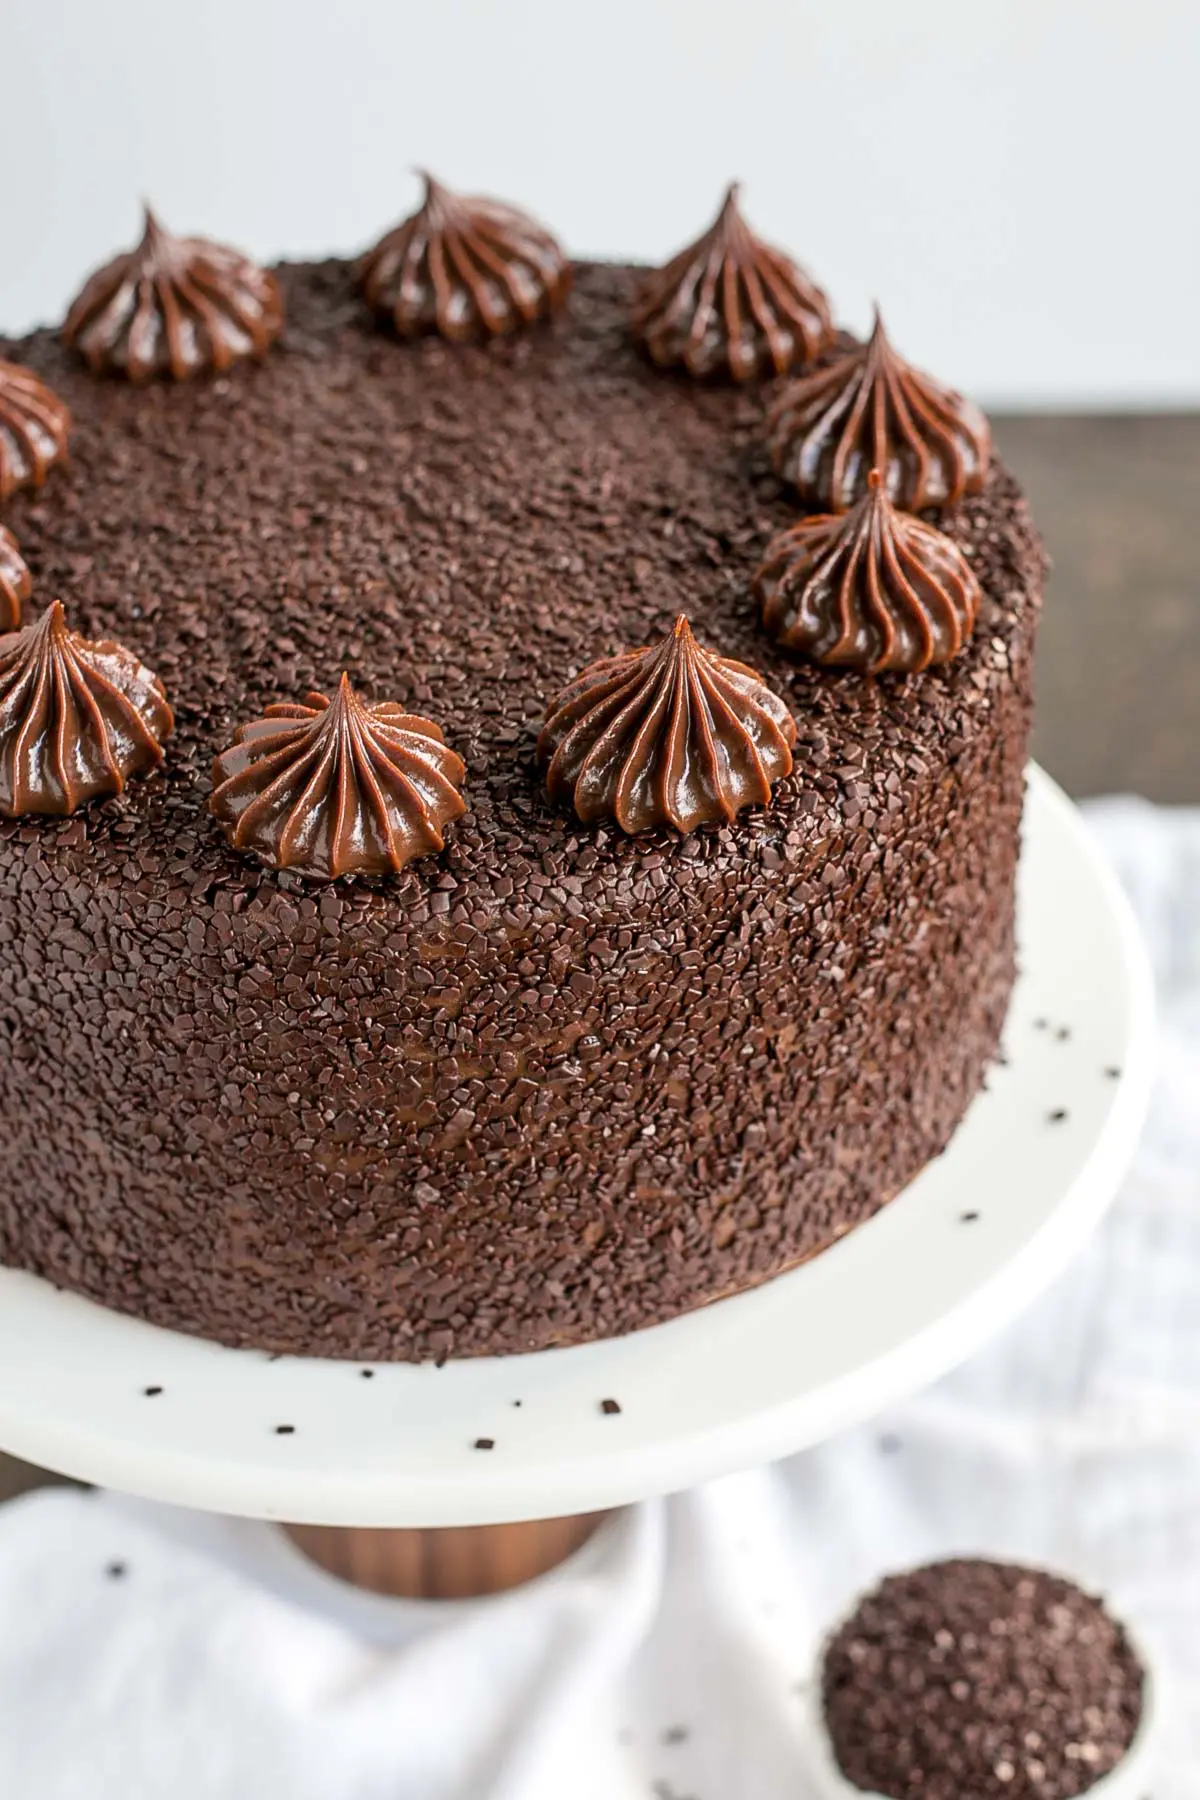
1118	502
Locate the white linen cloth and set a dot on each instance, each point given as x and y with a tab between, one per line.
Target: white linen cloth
148	1652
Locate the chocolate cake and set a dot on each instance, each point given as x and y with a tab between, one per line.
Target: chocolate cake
554	1081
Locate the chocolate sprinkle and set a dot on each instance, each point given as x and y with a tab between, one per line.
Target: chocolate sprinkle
485	1444
610	1407
553	1083
981	1679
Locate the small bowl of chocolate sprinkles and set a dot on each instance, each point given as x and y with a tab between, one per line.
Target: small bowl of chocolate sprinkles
980	1680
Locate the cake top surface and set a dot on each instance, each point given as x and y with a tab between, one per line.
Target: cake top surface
461	528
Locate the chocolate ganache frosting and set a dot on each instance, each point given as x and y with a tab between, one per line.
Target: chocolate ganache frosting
872	588
177	306
466	267
33	429
868	409
15	583
730	304
670	735
77	718
330	788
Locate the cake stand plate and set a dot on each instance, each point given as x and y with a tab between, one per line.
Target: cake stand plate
895	1304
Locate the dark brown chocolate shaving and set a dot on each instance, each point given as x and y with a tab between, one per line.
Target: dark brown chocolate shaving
730	304
329	788
34	425
174	306
16	584
466	267
981	1679
670	735
872	588
867	409
77	718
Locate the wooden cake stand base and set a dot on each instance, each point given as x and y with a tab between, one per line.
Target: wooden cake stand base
444	1563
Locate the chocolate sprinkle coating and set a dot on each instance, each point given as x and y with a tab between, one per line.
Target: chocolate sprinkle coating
980	1679
554	1083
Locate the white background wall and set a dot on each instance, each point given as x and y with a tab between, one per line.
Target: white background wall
1018	181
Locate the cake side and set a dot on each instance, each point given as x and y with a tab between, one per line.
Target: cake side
554	1083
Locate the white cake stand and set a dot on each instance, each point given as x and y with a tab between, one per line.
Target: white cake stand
898	1302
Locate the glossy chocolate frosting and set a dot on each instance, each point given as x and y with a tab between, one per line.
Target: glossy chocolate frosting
872	588
77	718
33	429
330	788
670	735
731	304
868	409
465	266
177	306
15	582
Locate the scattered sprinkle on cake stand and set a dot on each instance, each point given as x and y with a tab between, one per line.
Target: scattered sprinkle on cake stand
898	1302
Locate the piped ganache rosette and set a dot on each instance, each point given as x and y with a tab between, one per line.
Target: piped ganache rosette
34	425
670	735
731	304
174	306
16	584
555	1079
77	718
331	788
872	588
466	267
867	409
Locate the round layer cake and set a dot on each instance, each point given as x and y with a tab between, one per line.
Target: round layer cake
554	1083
